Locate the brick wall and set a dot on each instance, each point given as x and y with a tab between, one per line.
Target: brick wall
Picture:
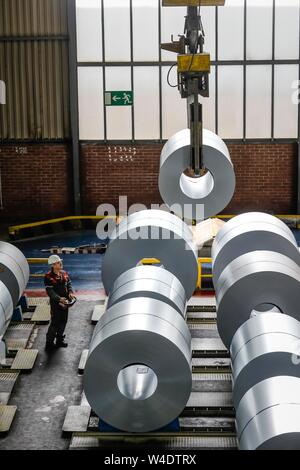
265	173
108	172
37	184
266	177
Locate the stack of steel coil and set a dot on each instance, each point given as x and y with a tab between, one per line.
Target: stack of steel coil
256	268
138	373
14	275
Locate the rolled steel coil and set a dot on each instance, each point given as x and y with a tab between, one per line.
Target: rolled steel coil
268	416
262	348
6	308
138	373
14	276
259	277
251	232
152	234
149	281
214	190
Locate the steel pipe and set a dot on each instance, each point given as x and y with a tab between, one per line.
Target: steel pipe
262	348
149	281
259	277
138	373
251	232
214	190
152	234
268	416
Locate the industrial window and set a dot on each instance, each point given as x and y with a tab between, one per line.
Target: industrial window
254	46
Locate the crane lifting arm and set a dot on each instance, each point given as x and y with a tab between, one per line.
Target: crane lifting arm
193	72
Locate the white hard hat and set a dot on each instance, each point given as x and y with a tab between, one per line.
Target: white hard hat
54	259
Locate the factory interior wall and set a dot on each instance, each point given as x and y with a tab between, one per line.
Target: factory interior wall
36	182
266	177
36	179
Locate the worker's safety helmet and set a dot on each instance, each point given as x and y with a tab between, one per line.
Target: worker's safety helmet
54	259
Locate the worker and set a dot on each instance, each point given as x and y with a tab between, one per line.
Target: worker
59	289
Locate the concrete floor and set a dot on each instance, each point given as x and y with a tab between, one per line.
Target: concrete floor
43	396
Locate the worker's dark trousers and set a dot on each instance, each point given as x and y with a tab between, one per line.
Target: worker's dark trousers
59	318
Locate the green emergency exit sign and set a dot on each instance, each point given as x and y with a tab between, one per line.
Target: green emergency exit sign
118	98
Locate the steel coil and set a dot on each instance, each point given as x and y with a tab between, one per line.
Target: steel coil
268	416
14	275
149	281
269	322
6	308
15	254
262	348
259	277
138	373
214	190
152	234
251	232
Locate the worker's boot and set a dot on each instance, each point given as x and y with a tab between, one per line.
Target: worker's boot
60	342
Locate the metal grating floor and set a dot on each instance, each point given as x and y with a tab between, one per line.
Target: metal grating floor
34	301
208	344
203	330
202	301
17	335
7	414
200	424
41	314
77	419
159	441
25	359
212	383
208	362
191	315
210	400
7	382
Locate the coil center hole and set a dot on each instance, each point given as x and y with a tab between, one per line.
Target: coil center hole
264	308
137	382
196	187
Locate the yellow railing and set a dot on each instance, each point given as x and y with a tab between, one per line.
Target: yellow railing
201	261
201	276
145	262
15	228
37	260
